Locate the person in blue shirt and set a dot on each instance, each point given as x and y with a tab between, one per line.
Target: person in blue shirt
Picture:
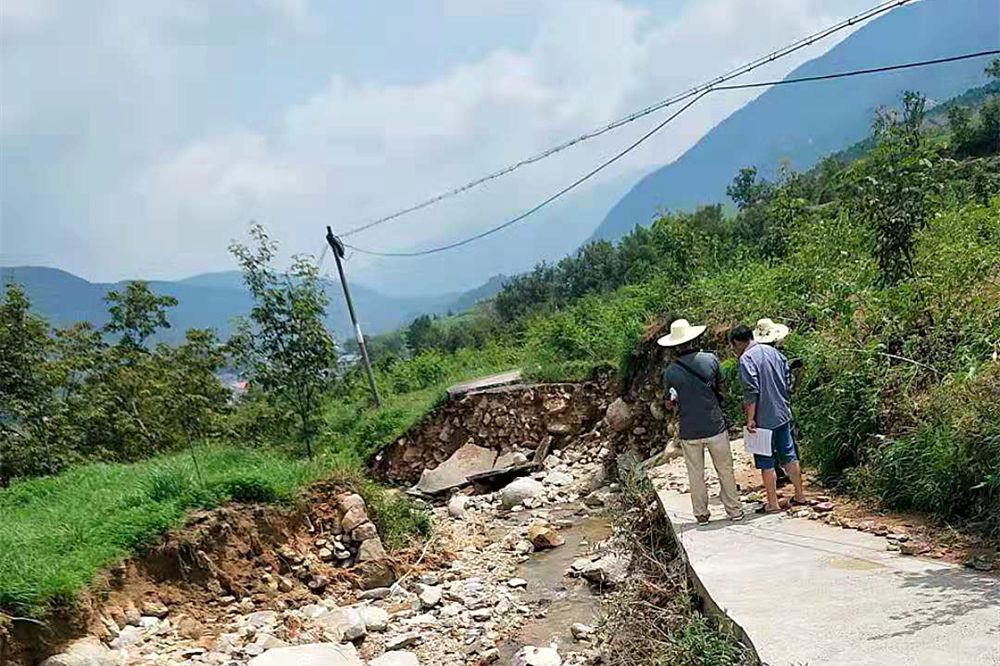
765	377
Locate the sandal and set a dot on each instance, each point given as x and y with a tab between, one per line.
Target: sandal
794	502
764	509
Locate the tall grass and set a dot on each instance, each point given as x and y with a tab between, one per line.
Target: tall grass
58	532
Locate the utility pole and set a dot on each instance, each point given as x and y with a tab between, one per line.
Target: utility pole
338	254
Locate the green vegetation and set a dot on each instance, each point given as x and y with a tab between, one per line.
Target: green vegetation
59	531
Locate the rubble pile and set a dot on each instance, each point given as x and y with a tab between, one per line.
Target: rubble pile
501	421
464	612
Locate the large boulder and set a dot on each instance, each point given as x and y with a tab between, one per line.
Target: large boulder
316	654
455	471
518	490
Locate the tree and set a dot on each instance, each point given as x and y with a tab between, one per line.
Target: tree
25	384
284	349
137	313
993	69
894	188
746	190
420	334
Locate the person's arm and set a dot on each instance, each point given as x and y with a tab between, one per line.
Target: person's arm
751	389
750	409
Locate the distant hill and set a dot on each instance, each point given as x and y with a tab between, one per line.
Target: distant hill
800	124
212	300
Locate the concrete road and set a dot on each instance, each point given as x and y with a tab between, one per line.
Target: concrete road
808	593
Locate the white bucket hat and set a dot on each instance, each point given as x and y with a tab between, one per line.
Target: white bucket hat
680	332
767	331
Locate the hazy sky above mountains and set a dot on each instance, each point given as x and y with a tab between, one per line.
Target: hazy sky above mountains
138	138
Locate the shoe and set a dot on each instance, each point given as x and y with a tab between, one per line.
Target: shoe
702	519
737	518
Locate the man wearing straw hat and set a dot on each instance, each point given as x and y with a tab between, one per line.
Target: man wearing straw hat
694	388
765	376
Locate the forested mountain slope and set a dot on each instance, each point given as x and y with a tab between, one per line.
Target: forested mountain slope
799	124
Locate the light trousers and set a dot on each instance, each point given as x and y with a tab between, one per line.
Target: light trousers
722	459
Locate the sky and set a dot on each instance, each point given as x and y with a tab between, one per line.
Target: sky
138	139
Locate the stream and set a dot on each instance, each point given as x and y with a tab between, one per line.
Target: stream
563	600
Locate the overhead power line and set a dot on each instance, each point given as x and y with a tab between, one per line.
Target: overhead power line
546	202
661	125
691	92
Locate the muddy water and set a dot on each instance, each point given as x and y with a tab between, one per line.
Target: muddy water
563	601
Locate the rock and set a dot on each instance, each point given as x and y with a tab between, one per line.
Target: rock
558	479
344	624
519	490
980	563
128	637
401	642
396	658
516	583
317	654
268	642
188	627
914	547
313	611
609	570
132	614
364	531
87	652
823	507
618	415
262	619
285	584
348	501
530	655
481	614
430	596
581	632
373	574
318	583
376	593
543	536
466	461
371	550
456	506
353	518
155	609
376	619
556	428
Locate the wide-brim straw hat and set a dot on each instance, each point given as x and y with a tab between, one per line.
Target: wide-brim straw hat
681	331
767	331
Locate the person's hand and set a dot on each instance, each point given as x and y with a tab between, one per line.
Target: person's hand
751	426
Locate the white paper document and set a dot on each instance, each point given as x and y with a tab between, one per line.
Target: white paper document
758	442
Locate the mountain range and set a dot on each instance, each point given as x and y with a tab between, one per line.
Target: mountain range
213	300
798	125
